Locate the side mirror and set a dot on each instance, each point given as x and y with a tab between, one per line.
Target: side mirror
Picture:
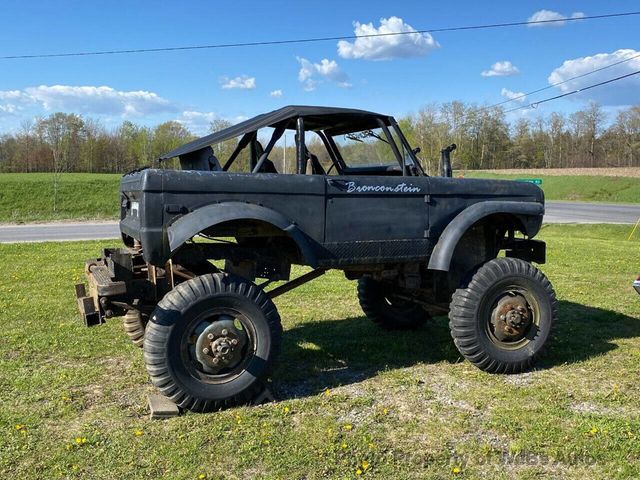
416	150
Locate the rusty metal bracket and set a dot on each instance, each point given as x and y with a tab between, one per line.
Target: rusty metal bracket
296	282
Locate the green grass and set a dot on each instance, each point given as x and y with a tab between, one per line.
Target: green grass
348	393
582	188
29	197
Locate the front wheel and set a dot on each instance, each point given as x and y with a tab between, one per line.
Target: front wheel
210	342
503	318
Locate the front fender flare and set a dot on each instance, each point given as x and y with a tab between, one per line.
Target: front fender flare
202	218
443	252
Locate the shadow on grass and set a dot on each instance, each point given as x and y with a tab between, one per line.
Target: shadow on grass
326	354
583	332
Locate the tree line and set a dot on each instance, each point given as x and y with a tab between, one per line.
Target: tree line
65	142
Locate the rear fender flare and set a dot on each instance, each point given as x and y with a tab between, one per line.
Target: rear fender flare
208	216
443	252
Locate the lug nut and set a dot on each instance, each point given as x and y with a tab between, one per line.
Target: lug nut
210	336
234	341
215	361
205	350
224	331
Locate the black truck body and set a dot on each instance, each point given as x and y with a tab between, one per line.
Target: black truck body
411	238
336	221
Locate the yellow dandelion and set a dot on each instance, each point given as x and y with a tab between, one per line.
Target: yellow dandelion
593	431
75	468
327	392
79	440
348	427
20	426
385	411
456	470
138	433
358	472
365	465
343	445
285	410
68	446
267	441
66	399
202	476
372	445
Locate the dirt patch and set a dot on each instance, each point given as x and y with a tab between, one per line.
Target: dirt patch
592	408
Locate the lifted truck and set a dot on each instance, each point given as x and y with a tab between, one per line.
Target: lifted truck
197	239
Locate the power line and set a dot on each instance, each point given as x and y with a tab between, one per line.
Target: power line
611	80
522	95
312	40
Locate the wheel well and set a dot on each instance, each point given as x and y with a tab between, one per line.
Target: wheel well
258	234
250	249
482	242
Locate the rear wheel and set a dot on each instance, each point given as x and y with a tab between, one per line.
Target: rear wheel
386	309
503	318
211	341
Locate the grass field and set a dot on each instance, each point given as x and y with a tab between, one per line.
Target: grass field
584	188
353	401
28	197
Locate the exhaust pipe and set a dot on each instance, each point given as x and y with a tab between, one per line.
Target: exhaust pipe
445	160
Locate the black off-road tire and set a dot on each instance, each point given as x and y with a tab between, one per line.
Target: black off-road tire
169	331
134	324
473	307
389	313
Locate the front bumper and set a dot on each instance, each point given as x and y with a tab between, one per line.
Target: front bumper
105	283
636	285
120	281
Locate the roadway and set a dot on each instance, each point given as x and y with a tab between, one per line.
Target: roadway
556	212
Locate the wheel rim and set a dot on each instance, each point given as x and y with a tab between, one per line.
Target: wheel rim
218	345
512	317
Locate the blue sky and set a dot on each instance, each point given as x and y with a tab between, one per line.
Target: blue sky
396	78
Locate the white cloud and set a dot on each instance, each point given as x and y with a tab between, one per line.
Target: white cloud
13	99
624	92
548	15
327	69
243	82
197	122
501	69
8	109
11	94
511	95
276	93
101	100
310	85
388	46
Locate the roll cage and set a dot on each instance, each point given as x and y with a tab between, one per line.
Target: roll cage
326	122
